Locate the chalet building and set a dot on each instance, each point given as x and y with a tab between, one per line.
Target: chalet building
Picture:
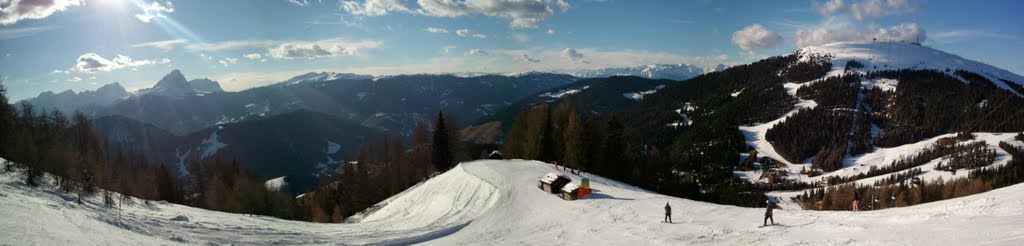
553	183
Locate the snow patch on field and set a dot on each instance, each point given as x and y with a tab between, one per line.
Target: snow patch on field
276	184
563	92
640	94
211	145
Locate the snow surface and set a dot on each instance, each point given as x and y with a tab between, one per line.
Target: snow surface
276	184
497	202
563	92
211	145
640	94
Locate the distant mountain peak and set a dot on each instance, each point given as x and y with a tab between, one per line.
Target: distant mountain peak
651	71
205	85
323	76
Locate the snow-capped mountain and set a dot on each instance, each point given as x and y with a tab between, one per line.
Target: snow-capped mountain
69	101
881	56
205	85
323	76
174	85
653	71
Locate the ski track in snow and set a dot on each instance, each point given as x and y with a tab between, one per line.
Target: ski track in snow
498	203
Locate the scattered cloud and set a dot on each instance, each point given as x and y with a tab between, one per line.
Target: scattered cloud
230	45
572	54
864	9
13	11
374	7
319	49
831	32
228	61
163	45
154	10
521	14
75	79
478	52
13	33
829	7
527	58
300	3
253	56
756	37
436	30
92	62
550	31
468	33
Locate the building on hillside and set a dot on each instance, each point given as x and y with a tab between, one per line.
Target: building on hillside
573	191
496	155
553	183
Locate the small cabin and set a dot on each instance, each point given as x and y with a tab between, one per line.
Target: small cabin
496	155
553	183
570	191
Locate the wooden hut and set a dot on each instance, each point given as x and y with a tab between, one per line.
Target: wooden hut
553	183
570	191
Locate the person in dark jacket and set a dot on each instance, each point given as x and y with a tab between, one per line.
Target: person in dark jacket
668	213
768	212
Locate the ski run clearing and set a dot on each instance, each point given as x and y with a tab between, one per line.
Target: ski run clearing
498	203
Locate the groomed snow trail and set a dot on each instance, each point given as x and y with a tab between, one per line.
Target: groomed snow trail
498	203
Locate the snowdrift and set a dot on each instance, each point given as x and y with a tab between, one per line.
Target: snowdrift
497	202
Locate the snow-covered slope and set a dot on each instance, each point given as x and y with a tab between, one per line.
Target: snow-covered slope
312	77
498	203
877	56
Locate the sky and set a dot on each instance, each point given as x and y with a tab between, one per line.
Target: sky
56	45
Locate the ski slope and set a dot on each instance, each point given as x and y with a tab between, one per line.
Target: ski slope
498	203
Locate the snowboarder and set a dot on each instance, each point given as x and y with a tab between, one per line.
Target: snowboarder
668	213
768	212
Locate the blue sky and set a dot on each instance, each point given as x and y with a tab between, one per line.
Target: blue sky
82	45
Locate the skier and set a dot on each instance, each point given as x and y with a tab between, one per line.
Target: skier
856	205
668	213
768	212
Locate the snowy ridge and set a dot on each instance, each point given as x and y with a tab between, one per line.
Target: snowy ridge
564	92
878	56
498	203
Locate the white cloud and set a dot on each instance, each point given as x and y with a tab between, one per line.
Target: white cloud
831	32
829	7
12	11
164	45
756	37
300	3
468	33
572	54
91	63
228	61
75	79
521	13
478	52
253	56
551	32
527	58
864	9
374	7
13	33
154	10
230	45
436	30
319	49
